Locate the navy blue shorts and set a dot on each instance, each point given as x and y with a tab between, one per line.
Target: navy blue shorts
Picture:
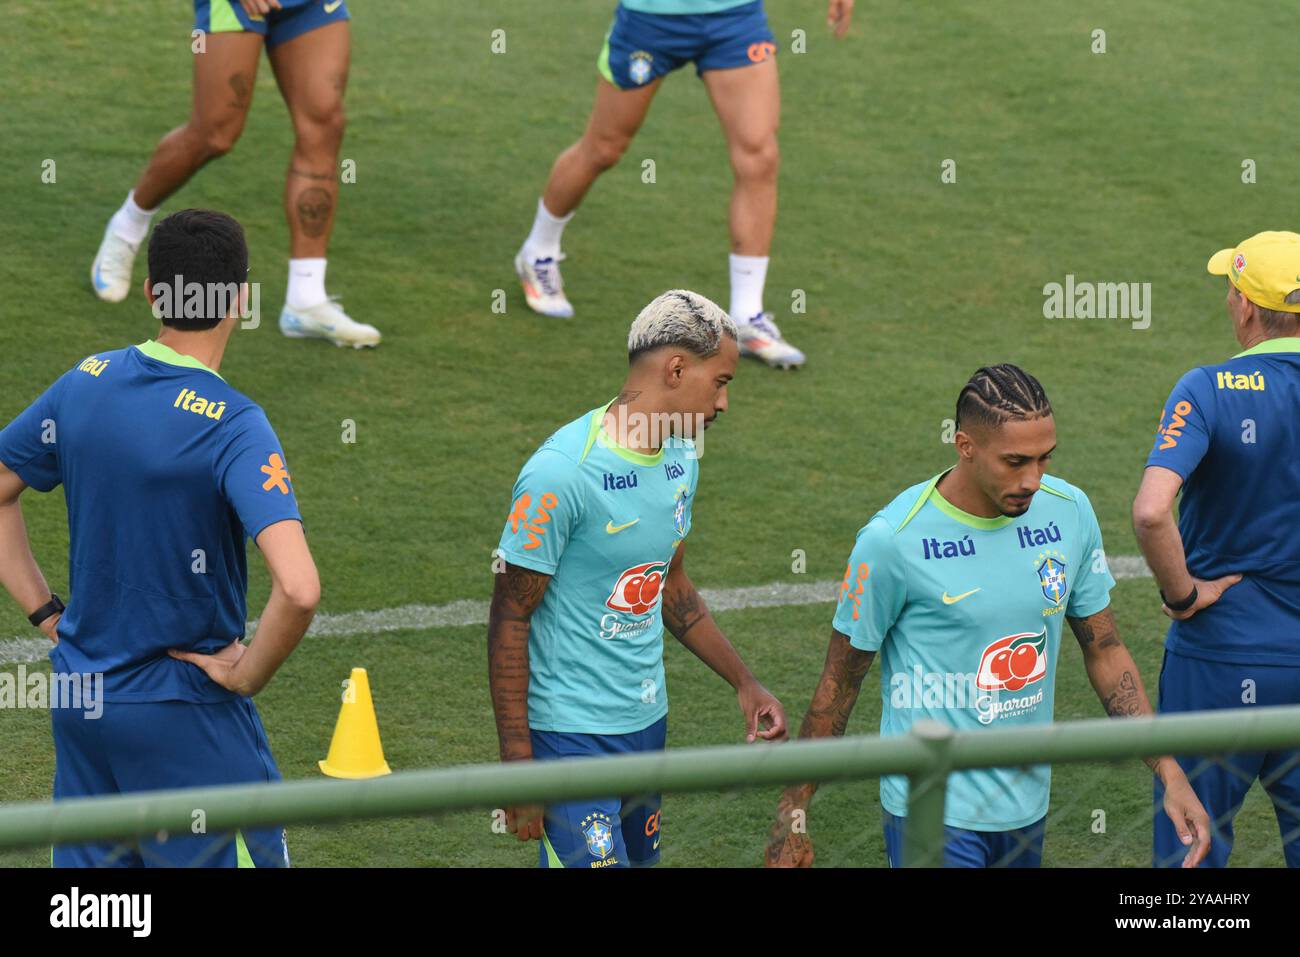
601	832
1221	781
643	46
1019	847
161	745
295	18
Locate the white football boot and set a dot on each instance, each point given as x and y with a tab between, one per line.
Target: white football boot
760	337
543	288
110	273
327	321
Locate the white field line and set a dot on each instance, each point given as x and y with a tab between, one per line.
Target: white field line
469	612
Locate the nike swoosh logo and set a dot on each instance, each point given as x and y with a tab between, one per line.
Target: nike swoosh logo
613	529
99	280
331	7
655	846
956	598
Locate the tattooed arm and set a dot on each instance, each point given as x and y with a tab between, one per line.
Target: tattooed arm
688	618
1111	670
1115	678
828	715
516	593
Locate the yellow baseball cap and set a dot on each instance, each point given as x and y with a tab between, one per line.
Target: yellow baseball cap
1265	268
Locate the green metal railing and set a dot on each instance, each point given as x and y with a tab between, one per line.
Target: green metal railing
926	756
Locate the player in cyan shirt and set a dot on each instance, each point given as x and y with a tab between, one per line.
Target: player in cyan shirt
962	584
166	469
594	572
1229	571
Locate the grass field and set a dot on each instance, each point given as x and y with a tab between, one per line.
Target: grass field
1123	166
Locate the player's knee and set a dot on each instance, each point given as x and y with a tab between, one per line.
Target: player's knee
321	130
757	160
604	151
217	139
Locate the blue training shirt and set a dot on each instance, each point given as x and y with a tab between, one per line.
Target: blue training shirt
165	469
1232	432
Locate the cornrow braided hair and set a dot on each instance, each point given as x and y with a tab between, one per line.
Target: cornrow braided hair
996	394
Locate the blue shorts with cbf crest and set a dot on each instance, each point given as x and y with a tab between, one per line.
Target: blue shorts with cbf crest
641	47
601	832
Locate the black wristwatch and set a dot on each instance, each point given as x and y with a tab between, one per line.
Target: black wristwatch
1183	605
54	606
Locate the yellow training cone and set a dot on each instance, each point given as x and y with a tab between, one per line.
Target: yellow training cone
355	751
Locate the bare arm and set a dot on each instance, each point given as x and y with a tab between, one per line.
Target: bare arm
828	715
1115	678
516	593
1157	532
295	595
1162	545
838	14
688	618
1111	670
19	573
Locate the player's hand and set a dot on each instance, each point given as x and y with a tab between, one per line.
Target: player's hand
838	15
51	627
1189	817
1207	593
760	707
524	821
219	666
259	8
786	846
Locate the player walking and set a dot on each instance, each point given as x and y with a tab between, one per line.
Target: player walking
594	549
165	469
961	583
1229	570
307	42
735	55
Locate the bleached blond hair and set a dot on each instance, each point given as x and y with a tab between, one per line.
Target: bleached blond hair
680	318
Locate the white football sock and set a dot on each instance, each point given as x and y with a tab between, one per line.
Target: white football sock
306	283
748	275
131	222
544	240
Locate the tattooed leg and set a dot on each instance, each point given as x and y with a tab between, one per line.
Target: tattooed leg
312	72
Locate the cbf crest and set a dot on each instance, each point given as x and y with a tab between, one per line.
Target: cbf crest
599	834
679	511
639	69
1052	577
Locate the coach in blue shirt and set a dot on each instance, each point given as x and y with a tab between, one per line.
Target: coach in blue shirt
1229	571
165	469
